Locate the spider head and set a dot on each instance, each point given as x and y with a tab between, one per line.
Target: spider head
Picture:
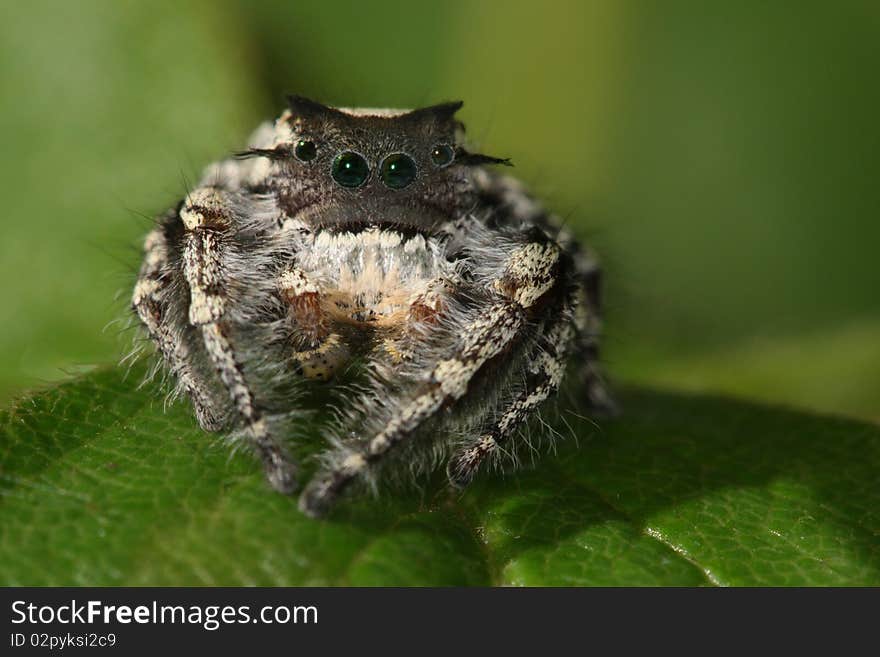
359	167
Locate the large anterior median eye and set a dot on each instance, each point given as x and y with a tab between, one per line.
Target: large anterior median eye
350	169
398	170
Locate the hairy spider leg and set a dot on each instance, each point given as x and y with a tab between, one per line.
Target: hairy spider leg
152	303
510	198
206	216
546	369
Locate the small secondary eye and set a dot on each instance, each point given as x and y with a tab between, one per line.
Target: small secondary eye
398	170
305	150
350	169
442	154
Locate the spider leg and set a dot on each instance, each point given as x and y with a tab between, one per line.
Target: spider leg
517	206
152	302
529	273
206	217
545	372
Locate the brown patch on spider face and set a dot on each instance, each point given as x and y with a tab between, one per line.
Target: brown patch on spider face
429	305
307	311
420	312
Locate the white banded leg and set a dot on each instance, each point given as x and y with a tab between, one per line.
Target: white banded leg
449	380
206	217
546	371
511	196
150	301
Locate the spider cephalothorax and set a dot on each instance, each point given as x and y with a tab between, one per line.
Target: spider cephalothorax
339	169
368	252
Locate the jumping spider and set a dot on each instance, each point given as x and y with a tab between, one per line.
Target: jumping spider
370	237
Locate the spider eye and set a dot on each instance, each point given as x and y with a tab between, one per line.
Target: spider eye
398	170
442	154
350	169
305	150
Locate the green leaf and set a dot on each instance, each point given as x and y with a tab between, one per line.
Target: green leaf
113	110
833	371
100	484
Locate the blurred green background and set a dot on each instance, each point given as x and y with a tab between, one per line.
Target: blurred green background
722	157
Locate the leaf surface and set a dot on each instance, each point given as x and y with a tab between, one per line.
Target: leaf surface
100	484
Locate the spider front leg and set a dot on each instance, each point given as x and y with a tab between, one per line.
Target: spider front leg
545	369
530	272
207	218
512	201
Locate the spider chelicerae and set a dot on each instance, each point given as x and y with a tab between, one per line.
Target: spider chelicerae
370	254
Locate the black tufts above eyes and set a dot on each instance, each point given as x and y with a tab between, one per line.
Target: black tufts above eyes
271	153
477	159
305	150
398	170
350	169
442	155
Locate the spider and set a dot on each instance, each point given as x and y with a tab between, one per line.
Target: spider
369	255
